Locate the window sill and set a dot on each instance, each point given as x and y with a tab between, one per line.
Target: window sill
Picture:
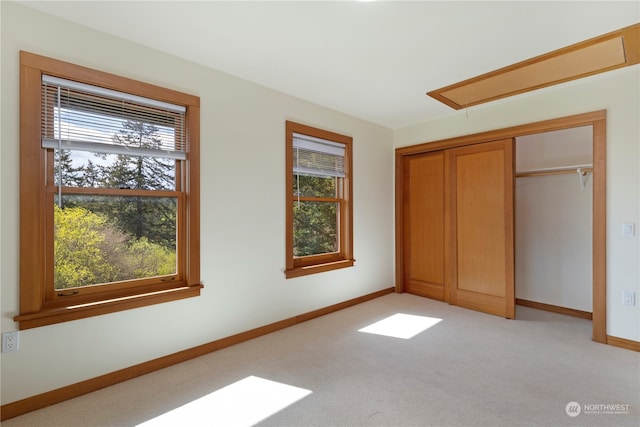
318	268
50	316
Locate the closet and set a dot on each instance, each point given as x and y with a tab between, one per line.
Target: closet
471	233
458	226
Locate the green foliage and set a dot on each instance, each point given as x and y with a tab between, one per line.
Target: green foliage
146	259
314	223
153	218
89	250
78	249
314	186
314	228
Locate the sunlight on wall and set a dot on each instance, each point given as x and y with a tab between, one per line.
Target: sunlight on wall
401	325
243	403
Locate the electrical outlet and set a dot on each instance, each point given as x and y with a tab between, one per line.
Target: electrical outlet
628	298
10	341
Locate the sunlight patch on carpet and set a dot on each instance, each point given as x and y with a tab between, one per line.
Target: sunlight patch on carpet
401	325
243	403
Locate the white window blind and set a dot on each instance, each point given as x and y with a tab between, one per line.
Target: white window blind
317	157
83	117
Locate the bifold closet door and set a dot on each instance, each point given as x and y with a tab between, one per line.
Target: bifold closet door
481	229
424	185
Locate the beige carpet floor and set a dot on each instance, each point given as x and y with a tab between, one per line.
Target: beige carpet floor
465	369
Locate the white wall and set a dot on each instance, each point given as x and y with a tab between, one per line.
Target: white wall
619	93
558	148
553	241
243	210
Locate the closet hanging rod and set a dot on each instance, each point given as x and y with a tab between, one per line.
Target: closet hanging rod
556	170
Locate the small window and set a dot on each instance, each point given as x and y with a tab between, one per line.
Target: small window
319	200
115	193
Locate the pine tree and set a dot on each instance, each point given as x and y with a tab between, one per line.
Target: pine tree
65	172
141	217
91	175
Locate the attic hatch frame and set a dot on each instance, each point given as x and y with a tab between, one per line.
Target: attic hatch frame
617	49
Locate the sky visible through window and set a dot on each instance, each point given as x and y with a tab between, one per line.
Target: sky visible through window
74	125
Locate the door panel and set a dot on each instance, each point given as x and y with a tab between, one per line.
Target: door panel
482	227
424	225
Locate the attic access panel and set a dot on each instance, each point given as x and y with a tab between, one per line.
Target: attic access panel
610	51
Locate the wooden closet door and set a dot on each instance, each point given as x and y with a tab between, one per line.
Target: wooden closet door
424	184
481	228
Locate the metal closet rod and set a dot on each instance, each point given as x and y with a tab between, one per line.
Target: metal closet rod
556	170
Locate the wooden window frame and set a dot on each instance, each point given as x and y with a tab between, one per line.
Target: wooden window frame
301	266
39	306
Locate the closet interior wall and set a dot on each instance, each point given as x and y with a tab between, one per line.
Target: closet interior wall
553	218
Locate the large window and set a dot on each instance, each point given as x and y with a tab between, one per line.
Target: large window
319	200
109	193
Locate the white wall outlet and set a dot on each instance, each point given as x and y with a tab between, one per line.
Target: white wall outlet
10	341
628	297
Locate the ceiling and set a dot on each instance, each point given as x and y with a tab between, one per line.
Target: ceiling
373	60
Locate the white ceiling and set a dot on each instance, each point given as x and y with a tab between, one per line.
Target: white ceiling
373	60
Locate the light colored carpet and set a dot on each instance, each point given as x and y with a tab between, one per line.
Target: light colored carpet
469	369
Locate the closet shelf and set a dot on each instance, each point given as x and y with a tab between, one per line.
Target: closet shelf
584	169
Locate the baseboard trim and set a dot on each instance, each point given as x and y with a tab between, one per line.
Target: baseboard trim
20	407
555	309
623	343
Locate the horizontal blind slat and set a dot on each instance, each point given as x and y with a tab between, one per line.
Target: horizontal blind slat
109	93
317	157
87	118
